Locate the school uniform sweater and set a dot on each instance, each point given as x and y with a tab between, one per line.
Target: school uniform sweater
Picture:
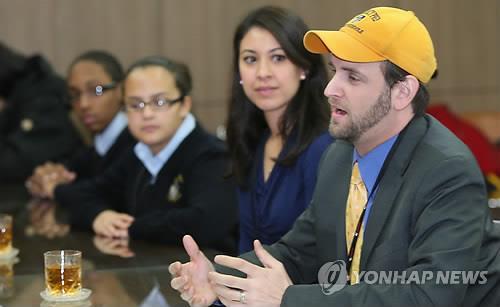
188	196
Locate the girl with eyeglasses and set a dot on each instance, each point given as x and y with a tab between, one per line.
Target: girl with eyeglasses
94	87
172	182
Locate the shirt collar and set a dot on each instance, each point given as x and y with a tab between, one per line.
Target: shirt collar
154	163
371	164
104	140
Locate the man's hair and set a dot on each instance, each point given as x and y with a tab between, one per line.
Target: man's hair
393	74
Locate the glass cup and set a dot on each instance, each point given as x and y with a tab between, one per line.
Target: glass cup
5	233
6	278
63	272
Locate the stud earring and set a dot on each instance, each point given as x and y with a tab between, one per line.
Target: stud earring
241	82
302	76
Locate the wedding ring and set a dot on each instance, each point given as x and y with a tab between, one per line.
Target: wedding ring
243	297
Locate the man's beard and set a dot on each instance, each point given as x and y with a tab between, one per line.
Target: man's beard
357	126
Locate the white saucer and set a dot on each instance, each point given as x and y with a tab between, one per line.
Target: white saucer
9	261
84	303
10	254
84	294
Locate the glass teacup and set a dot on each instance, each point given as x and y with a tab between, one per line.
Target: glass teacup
63	272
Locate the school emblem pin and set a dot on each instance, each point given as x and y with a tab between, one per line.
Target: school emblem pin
174	192
27	124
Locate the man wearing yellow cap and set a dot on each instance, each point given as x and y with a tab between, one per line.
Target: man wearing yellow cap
399	216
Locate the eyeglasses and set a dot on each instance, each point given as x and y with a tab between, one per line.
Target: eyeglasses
157	104
94	91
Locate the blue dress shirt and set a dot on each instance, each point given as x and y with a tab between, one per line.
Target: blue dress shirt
370	166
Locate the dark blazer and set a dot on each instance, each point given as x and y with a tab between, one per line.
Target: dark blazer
189	196
35	126
88	163
430	213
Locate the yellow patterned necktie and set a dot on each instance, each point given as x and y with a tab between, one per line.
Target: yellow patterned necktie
355	203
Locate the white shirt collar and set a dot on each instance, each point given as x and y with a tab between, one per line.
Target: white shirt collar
104	140
154	163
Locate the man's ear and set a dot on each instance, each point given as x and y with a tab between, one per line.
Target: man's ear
404	91
187	103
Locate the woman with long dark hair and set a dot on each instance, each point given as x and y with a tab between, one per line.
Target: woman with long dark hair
277	122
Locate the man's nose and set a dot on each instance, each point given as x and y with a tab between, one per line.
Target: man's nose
333	88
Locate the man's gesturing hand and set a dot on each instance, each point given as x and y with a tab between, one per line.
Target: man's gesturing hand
191	278
264	286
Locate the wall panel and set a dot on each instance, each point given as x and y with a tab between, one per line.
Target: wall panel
199	32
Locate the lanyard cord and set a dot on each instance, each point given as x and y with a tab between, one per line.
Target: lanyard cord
352	248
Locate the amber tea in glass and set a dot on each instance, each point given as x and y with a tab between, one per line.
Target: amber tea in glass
63	272
6	278
5	233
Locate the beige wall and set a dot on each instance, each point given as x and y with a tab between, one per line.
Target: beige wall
199	32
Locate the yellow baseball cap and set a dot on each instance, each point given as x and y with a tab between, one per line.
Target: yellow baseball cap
381	33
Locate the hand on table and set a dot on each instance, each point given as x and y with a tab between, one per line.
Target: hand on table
46	177
113	224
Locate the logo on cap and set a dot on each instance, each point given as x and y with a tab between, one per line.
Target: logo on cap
374	16
357	18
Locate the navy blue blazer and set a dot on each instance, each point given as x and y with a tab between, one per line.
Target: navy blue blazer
189	196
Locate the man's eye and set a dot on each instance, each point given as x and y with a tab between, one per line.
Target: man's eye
353	78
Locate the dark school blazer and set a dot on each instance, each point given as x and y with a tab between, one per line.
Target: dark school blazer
190	195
